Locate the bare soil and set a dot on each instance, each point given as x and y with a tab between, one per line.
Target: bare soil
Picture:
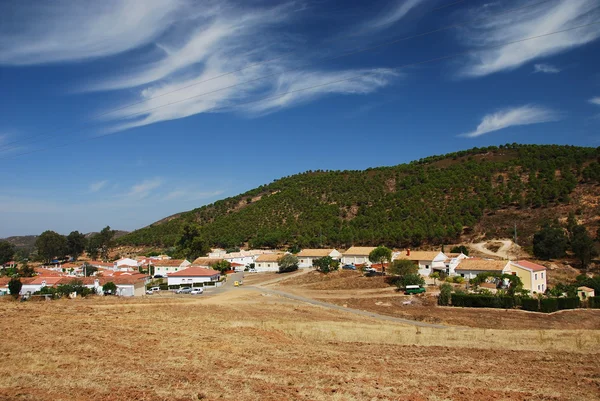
244	345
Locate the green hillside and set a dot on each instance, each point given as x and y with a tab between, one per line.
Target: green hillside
433	200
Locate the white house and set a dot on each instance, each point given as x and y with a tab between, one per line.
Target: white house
357	255
268	262
38	282
470	268
128	284
193	275
449	266
165	267
307	256
425	260
126	264
532	275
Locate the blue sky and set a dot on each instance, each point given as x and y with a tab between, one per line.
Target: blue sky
263	89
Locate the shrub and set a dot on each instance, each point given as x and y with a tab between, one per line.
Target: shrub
548	305
110	287
507	302
568	303
288	263
530	304
594	302
445	294
410	279
14	286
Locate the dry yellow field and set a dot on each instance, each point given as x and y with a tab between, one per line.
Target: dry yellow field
248	345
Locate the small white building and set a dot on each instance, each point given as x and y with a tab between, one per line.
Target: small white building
166	267
268	262
126	264
307	256
193	275
357	255
426	261
449	266
470	268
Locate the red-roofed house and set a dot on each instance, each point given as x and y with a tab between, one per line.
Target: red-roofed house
193	275
531	274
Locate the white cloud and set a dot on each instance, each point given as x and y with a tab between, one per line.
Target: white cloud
529	22
143	189
546	69
97	186
523	115
70	30
392	15
595	100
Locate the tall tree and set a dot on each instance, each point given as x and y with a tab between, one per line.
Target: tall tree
14	286
583	246
550	242
7	251
191	245
101	243
51	245
76	243
381	254
402	267
288	263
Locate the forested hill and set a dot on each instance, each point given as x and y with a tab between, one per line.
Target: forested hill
433	200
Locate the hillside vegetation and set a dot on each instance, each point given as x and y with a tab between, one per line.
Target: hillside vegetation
433	200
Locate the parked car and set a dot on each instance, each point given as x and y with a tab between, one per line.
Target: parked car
413	289
155	289
149	292
349	267
252	270
372	272
197	291
158	276
184	290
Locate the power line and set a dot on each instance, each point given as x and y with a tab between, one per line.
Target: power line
446	57
348	54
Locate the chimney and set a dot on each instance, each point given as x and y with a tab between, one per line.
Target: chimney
407	251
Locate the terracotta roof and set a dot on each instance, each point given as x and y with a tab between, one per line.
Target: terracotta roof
100	263
122	279
204	261
47	272
359	251
195	272
585	289
169	262
24	280
529	265
482	265
319	253
269	257
419	255
233	264
50	281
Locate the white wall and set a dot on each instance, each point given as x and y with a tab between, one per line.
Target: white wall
267	266
355	260
190	280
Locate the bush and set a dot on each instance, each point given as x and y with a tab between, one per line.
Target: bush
445	294
549	305
594	302
507	302
410	279
110	287
288	263
475	301
530	304
14	286
568	303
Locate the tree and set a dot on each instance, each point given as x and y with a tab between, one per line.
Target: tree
434	276
110	287
191	245
410	279
26	270
460	249
222	265
583	246
7	251
326	264
51	245
89	270
402	267
76	244
550	242
14	286
381	254
445	294
288	263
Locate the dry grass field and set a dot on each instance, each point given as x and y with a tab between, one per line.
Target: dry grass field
244	344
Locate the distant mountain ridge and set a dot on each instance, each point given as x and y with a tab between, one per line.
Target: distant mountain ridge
439	199
28	241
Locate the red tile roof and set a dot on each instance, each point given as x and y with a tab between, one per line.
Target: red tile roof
194	272
530	265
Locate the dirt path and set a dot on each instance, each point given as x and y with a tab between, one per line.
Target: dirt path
344	309
506	250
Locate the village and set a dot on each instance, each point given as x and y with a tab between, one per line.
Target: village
147	275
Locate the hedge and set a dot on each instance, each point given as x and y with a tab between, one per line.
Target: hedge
594	302
549	305
476	301
568	303
530	304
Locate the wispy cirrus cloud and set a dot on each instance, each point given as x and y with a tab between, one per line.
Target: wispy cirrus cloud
529	22
144	188
71	30
392	14
546	69
511	117
97	186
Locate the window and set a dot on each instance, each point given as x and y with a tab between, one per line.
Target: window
536	277
542	275
427	266
539	287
